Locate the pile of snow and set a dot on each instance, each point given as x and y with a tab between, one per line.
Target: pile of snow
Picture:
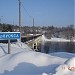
32	63
63	54
60	40
71	62
54	39
67	69
28	63
3	49
24	61
1	52
15	48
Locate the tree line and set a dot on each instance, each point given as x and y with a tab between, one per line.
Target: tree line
67	32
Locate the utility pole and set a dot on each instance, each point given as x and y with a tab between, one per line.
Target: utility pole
0	20
20	18
33	33
33	26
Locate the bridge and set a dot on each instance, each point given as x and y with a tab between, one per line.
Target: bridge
33	41
29	37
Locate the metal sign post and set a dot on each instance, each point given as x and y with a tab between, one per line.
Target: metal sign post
9	48
8	36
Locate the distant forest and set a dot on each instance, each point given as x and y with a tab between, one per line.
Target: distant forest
67	32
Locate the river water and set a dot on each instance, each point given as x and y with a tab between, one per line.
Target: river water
50	47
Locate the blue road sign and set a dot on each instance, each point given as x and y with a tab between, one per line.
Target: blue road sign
10	35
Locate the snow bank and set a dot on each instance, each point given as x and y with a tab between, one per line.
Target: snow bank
67	69
1	52
71	63
24	61
15	48
63	54
56	39
28	63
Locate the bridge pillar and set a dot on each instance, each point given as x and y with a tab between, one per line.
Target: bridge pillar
35	46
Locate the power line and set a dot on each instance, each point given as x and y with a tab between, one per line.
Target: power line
26	11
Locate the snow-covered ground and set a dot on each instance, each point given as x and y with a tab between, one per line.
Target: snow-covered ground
56	39
24	61
15	48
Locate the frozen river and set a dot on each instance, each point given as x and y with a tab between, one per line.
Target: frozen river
50	47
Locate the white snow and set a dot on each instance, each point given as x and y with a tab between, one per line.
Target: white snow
24	61
63	54
32	62
67	69
15	47
54	39
71	62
